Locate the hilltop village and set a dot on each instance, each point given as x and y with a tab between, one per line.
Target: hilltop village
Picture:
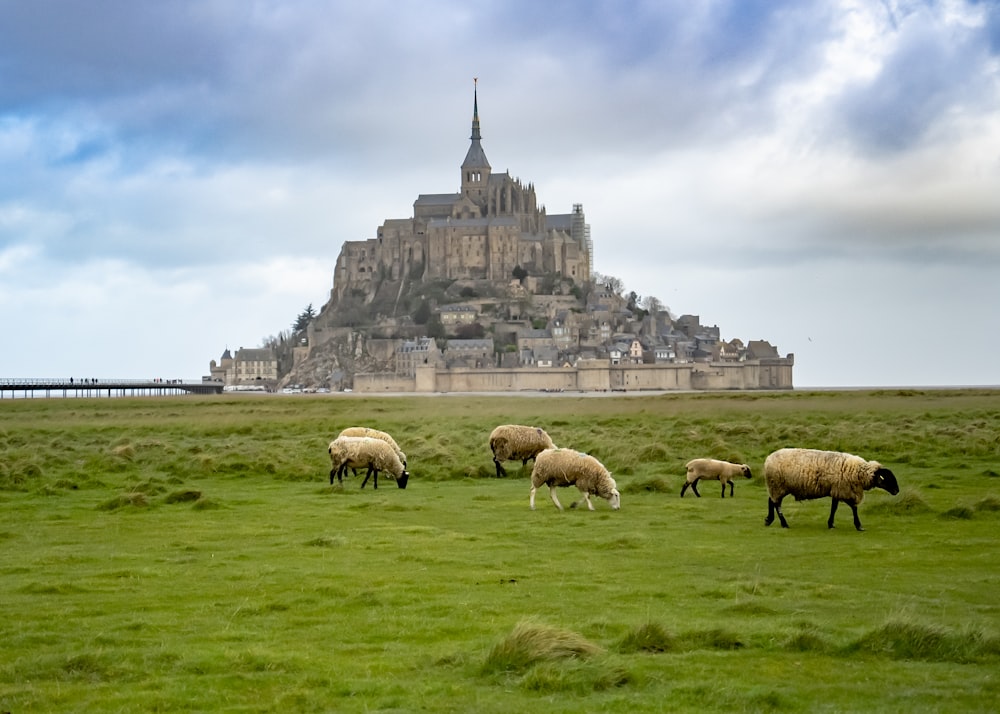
483	290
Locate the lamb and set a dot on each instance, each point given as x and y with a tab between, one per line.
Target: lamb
713	470
566	467
510	442
809	473
375	434
357	451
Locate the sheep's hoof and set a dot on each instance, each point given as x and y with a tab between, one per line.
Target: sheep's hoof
572	505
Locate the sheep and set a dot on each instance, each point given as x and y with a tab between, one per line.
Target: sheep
713	470
354	452
510	442
809	473
375	434
566	467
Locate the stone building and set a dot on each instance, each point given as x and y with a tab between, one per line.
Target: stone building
491	226
248	366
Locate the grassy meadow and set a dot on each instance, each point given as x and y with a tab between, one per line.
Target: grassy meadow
189	554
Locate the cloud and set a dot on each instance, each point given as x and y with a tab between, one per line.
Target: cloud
937	62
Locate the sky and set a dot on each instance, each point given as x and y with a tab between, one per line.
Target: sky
178	178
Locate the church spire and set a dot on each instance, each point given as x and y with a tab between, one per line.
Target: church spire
475	110
475	169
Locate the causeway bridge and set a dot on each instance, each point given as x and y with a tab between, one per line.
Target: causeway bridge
16	388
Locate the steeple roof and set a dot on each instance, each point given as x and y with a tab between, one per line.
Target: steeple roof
476	158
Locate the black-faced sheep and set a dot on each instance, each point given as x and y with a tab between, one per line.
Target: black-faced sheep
510	442
357	452
566	467
806	474
713	470
375	434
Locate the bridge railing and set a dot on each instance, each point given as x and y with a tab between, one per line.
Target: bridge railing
74	382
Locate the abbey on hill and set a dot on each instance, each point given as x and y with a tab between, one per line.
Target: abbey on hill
485	232
484	290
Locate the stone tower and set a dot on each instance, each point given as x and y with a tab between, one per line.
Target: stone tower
476	169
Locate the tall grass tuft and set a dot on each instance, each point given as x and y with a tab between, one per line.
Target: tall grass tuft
133	499
807	639
959	513
576	677
657	484
126	452
910	641
183	496
648	637
989	503
908	502
531	642
716	639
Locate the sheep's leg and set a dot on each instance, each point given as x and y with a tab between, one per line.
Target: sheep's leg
555	499
857	521
723	489
367	476
684	488
531	499
501	471
774	507
332	473
586	497
781	516
833	511
375	479
694	487
731	487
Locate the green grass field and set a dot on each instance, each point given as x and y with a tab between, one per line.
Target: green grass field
188	554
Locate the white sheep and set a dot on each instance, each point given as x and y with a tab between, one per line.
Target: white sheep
363	451
713	470
566	467
510	442
809	473
375	434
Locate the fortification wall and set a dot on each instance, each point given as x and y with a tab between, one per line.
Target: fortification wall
587	376
375	382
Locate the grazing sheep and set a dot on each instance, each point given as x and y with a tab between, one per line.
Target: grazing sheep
713	470
355	452
510	442
375	434
808	473
566	467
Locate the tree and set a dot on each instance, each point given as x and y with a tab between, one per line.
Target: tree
434	327
304	318
423	313
615	285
